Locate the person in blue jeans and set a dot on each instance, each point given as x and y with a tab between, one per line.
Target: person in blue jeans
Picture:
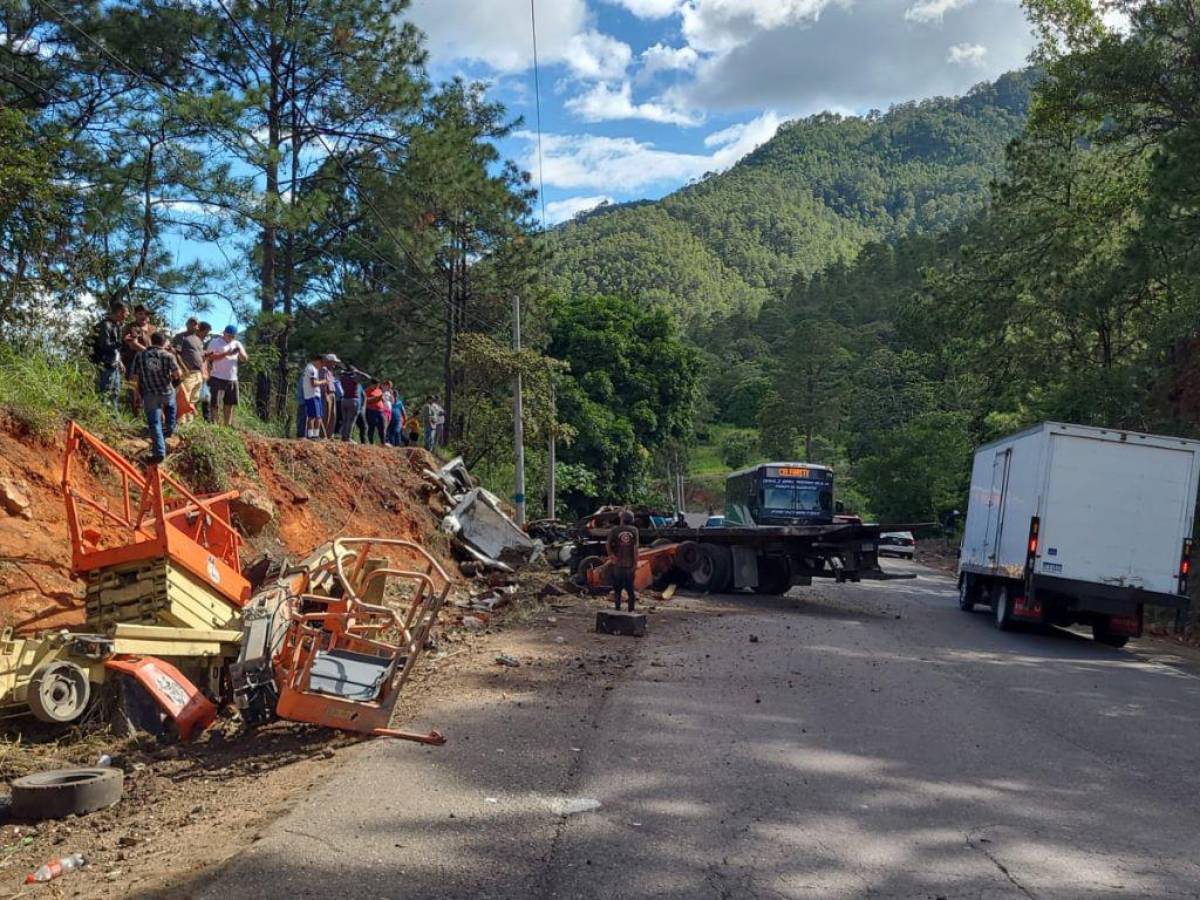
106	354
395	435
157	375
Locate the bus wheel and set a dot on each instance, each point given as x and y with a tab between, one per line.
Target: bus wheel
967	592
774	575
1002	600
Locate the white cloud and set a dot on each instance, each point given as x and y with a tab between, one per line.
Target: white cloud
626	165
605	104
593	55
497	32
967	54
858	56
932	10
661	58
716	26
649	9
562	210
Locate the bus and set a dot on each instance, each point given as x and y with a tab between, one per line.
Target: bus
779	493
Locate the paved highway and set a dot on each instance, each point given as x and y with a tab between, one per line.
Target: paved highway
843	742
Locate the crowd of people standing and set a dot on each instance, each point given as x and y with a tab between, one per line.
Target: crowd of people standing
337	400
169	380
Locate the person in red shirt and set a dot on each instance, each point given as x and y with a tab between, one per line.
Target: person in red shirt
375	407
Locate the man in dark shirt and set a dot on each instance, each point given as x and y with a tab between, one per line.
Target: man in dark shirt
157	375
106	353
189	351
623	557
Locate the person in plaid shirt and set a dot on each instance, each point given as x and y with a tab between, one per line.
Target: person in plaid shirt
157	375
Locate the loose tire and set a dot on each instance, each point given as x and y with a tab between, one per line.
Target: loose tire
967	592
1002	606
65	792
586	565
59	692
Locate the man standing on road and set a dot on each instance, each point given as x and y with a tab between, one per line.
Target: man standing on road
189	350
331	389
157	375
224	354
622	558
351	402
106	353
435	418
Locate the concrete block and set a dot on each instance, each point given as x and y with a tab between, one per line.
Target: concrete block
630	624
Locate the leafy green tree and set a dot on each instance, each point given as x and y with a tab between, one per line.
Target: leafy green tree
630	390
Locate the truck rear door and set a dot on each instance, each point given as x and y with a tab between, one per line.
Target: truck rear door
1114	512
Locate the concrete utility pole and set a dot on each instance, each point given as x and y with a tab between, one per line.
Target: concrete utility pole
518	423
551	486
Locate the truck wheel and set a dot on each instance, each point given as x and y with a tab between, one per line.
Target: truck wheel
1101	634
59	692
1003	607
774	576
967	593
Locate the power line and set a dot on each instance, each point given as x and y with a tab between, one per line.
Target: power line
537	95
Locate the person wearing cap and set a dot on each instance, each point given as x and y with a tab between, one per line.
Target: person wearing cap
224	353
329	395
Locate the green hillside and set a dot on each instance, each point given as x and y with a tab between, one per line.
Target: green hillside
816	193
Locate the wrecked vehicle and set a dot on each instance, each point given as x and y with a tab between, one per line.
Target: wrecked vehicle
174	628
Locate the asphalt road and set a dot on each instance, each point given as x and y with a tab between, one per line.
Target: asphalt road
874	741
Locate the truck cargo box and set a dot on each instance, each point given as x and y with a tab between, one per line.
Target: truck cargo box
1113	510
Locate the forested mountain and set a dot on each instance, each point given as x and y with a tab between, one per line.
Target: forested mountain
815	194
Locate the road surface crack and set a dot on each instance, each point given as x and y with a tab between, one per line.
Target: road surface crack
1003	868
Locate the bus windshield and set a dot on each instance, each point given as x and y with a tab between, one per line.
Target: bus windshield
797	498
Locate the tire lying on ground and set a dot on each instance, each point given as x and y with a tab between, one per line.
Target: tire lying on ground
65	792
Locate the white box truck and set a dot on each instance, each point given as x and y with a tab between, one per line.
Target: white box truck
1068	524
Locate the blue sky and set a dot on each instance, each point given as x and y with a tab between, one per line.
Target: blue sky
641	96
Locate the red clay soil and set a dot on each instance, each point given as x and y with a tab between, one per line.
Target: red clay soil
321	490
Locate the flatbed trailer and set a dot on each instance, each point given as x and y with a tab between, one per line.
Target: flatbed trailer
766	559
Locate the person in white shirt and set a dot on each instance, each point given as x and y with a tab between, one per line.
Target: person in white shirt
312	383
224	353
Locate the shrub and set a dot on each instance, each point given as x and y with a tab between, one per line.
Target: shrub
738	448
42	393
210	456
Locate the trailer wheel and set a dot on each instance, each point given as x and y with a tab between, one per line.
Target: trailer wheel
1103	635
59	692
713	570
774	575
968	593
1002	602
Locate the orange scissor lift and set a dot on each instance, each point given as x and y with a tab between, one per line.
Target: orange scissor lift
169	607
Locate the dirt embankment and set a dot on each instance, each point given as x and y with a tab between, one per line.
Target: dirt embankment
319	490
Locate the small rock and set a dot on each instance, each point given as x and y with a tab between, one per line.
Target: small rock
128	840
327	753
14	497
754	638
505	659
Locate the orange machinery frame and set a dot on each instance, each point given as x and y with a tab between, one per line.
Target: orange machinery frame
347	623
158	518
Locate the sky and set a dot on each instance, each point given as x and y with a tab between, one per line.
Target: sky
639	97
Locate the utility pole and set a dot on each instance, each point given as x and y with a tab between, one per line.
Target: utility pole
551	486
518	422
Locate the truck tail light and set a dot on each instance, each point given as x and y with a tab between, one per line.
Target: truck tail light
1185	565
1035	526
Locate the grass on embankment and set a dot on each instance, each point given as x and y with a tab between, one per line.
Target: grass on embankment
41	393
